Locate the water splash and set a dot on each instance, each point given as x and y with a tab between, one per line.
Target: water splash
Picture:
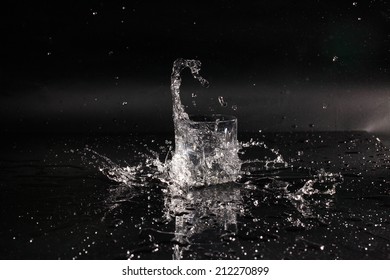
206	147
180	117
317	191
207	153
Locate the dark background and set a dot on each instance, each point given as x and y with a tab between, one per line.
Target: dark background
104	66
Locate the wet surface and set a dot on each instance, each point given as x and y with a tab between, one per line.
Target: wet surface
331	200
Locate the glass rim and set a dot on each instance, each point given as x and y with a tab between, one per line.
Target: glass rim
212	119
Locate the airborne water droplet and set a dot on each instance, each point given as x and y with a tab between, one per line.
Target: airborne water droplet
222	101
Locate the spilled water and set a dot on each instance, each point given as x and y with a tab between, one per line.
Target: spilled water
327	197
208	178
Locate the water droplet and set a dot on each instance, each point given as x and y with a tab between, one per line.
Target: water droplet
324	106
354	3
48	53
124	103
335	58
359	18
234	107
110	53
123	8
193	95
222	101
311	125
94	13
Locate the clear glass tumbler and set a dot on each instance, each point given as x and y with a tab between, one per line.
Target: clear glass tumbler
208	152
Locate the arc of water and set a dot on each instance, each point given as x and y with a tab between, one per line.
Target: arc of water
179	114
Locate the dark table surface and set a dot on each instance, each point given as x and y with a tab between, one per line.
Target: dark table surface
331	200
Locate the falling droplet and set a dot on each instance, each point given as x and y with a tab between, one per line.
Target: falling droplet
222	101
48	53
94	13
335	58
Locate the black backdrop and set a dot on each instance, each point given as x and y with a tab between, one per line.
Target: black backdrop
104	66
